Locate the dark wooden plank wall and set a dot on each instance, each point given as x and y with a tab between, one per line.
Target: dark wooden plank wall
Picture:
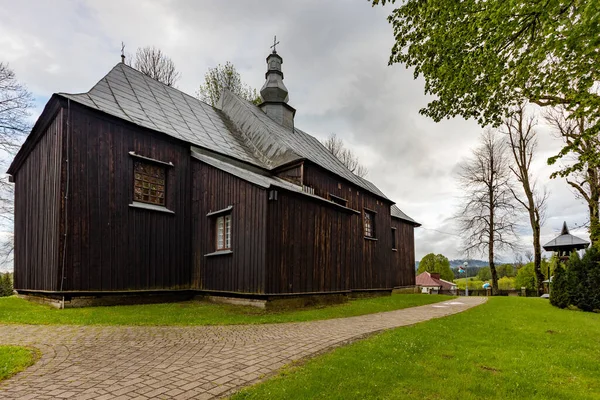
404	256
292	174
300	223
37	212
371	267
112	246
308	246
243	270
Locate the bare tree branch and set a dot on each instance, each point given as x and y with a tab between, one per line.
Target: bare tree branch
154	63
335	145
15	103
487	216
519	127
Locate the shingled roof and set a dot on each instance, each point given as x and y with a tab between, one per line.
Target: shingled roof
397	213
132	96
566	241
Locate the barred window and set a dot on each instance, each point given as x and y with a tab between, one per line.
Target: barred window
223	230
369	224
149	183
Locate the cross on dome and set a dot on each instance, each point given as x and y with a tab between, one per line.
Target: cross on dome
275	43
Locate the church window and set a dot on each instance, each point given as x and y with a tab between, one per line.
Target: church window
394	243
149	183
223	231
369	223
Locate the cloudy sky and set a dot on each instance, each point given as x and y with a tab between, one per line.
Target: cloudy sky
335	63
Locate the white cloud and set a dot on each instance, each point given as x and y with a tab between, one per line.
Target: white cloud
335	65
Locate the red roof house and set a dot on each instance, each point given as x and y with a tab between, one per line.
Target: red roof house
431	282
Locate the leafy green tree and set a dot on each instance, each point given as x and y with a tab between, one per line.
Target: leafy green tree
225	76
481	59
436	263
526	277
584	278
559	292
506	283
485	274
505	270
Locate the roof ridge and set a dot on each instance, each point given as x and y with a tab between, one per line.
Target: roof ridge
264	158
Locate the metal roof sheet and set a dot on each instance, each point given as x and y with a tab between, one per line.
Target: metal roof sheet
252	175
397	213
132	96
566	241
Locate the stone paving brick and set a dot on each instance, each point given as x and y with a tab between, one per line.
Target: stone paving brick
201	363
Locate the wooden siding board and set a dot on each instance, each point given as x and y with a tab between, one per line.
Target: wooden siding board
314	247
38	211
243	269
114	246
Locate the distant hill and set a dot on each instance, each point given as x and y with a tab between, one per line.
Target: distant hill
457	263
472	263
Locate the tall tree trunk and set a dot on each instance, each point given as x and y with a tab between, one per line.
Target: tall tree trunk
594	183
491	245
523	143
537	257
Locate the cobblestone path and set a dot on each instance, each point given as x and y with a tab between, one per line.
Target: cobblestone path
205	362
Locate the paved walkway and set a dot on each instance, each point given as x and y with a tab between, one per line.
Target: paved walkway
95	362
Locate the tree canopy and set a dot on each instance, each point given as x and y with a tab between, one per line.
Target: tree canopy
436	263
480	58
225	76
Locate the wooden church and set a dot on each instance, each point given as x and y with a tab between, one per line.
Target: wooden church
138	188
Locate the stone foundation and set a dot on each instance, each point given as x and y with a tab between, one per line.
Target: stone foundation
77	301
268	302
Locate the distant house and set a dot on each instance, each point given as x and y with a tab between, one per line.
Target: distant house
431	283
137	188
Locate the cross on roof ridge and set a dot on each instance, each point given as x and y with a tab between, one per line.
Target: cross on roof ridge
275	43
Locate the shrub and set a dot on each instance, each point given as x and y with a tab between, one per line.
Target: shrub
579	285
506	283
6	286
559	293
484	274
526	277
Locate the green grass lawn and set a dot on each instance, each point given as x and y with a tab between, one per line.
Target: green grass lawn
508	348
14	359
15	310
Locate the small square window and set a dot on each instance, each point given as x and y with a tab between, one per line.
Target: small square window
149	183
369	223
223	231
